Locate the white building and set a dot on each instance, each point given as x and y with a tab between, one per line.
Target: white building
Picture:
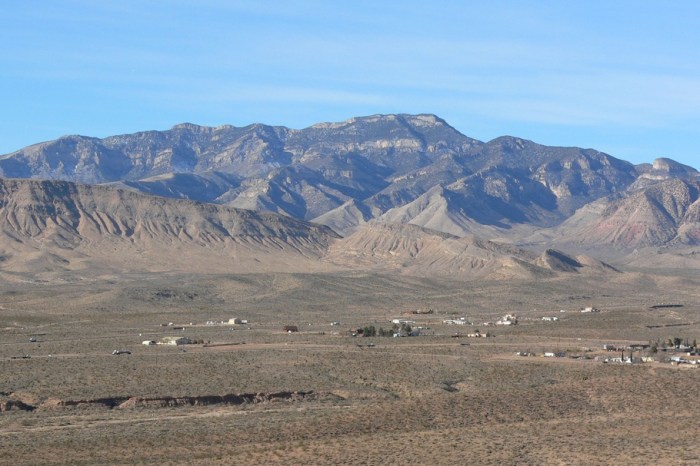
508	319
175	341
460	321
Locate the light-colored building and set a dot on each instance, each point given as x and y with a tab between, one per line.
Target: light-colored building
460	321
508	319
175	341
235	321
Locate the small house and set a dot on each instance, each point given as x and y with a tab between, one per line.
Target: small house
402	321
175	341
148	342
508	319
235	321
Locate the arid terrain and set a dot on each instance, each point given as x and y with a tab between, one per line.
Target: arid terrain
454	302
252	393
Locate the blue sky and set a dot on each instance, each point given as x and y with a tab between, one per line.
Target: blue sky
619	76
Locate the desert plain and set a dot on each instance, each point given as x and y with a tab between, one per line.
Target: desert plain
253	393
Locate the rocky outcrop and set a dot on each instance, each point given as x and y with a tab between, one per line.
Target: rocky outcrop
662	213
15	405
231	399
126	402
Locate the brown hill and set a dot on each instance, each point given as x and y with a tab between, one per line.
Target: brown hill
346	218
560	262
414	250
51	226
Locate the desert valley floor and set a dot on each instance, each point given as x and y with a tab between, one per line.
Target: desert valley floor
253	393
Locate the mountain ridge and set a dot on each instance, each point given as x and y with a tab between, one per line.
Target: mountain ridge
392	168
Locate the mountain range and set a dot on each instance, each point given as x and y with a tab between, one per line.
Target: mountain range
360	177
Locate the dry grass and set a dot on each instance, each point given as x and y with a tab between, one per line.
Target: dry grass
424	400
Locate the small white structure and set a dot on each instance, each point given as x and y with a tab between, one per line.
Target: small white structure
550	319
589	310
148	342
175	341
508	319
402	321
460	321
235	321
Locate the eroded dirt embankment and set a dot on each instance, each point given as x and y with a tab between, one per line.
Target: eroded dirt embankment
127	402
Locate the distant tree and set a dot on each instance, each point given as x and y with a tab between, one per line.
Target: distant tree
369	331
677	342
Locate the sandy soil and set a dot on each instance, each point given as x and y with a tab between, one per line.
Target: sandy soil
431	399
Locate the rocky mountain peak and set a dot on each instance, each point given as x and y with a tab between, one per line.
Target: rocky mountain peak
189	127
673	168
407	168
